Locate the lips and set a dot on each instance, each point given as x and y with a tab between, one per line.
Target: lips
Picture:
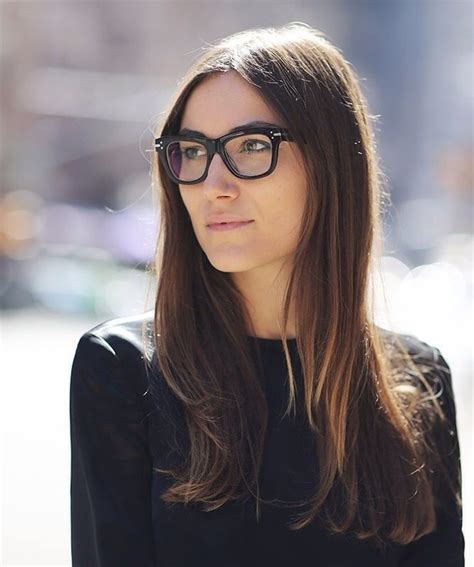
225	218
233	222
228	225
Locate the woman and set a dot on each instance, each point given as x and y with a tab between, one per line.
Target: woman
258	416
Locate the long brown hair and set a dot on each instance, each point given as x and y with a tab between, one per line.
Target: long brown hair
365	400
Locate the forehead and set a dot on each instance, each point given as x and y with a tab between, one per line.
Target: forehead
222	102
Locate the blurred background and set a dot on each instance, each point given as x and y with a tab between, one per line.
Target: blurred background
81	85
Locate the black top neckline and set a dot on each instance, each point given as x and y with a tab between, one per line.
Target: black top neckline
272	344
271	340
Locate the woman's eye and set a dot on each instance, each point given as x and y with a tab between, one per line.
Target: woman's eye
251	146
194	152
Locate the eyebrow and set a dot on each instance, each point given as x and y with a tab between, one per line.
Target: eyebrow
253	124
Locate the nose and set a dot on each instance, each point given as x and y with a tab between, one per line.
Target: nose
220	181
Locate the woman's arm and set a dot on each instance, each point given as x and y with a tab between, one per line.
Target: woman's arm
111	521
445	546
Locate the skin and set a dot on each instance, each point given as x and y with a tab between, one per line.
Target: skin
258	256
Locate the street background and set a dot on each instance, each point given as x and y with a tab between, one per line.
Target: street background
81	84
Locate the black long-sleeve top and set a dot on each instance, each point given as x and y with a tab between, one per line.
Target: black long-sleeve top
118	438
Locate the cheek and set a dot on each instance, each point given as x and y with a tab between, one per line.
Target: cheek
292	187
288	206
286	227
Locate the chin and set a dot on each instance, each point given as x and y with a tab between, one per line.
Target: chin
228	265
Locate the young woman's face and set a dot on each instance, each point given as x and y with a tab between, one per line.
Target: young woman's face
274	203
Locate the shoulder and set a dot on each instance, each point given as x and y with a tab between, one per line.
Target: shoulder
436	386
113	358
427	357
124	335
418	349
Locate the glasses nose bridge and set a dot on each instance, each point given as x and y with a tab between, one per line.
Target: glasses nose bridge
216	147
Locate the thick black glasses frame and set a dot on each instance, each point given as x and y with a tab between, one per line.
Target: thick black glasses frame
217	146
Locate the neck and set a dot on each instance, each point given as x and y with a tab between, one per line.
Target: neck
263	289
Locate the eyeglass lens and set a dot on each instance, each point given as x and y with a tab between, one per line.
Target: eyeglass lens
248	154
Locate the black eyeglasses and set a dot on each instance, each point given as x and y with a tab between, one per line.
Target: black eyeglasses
249	153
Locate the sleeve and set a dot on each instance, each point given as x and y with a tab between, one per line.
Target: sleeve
111	519
444	547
